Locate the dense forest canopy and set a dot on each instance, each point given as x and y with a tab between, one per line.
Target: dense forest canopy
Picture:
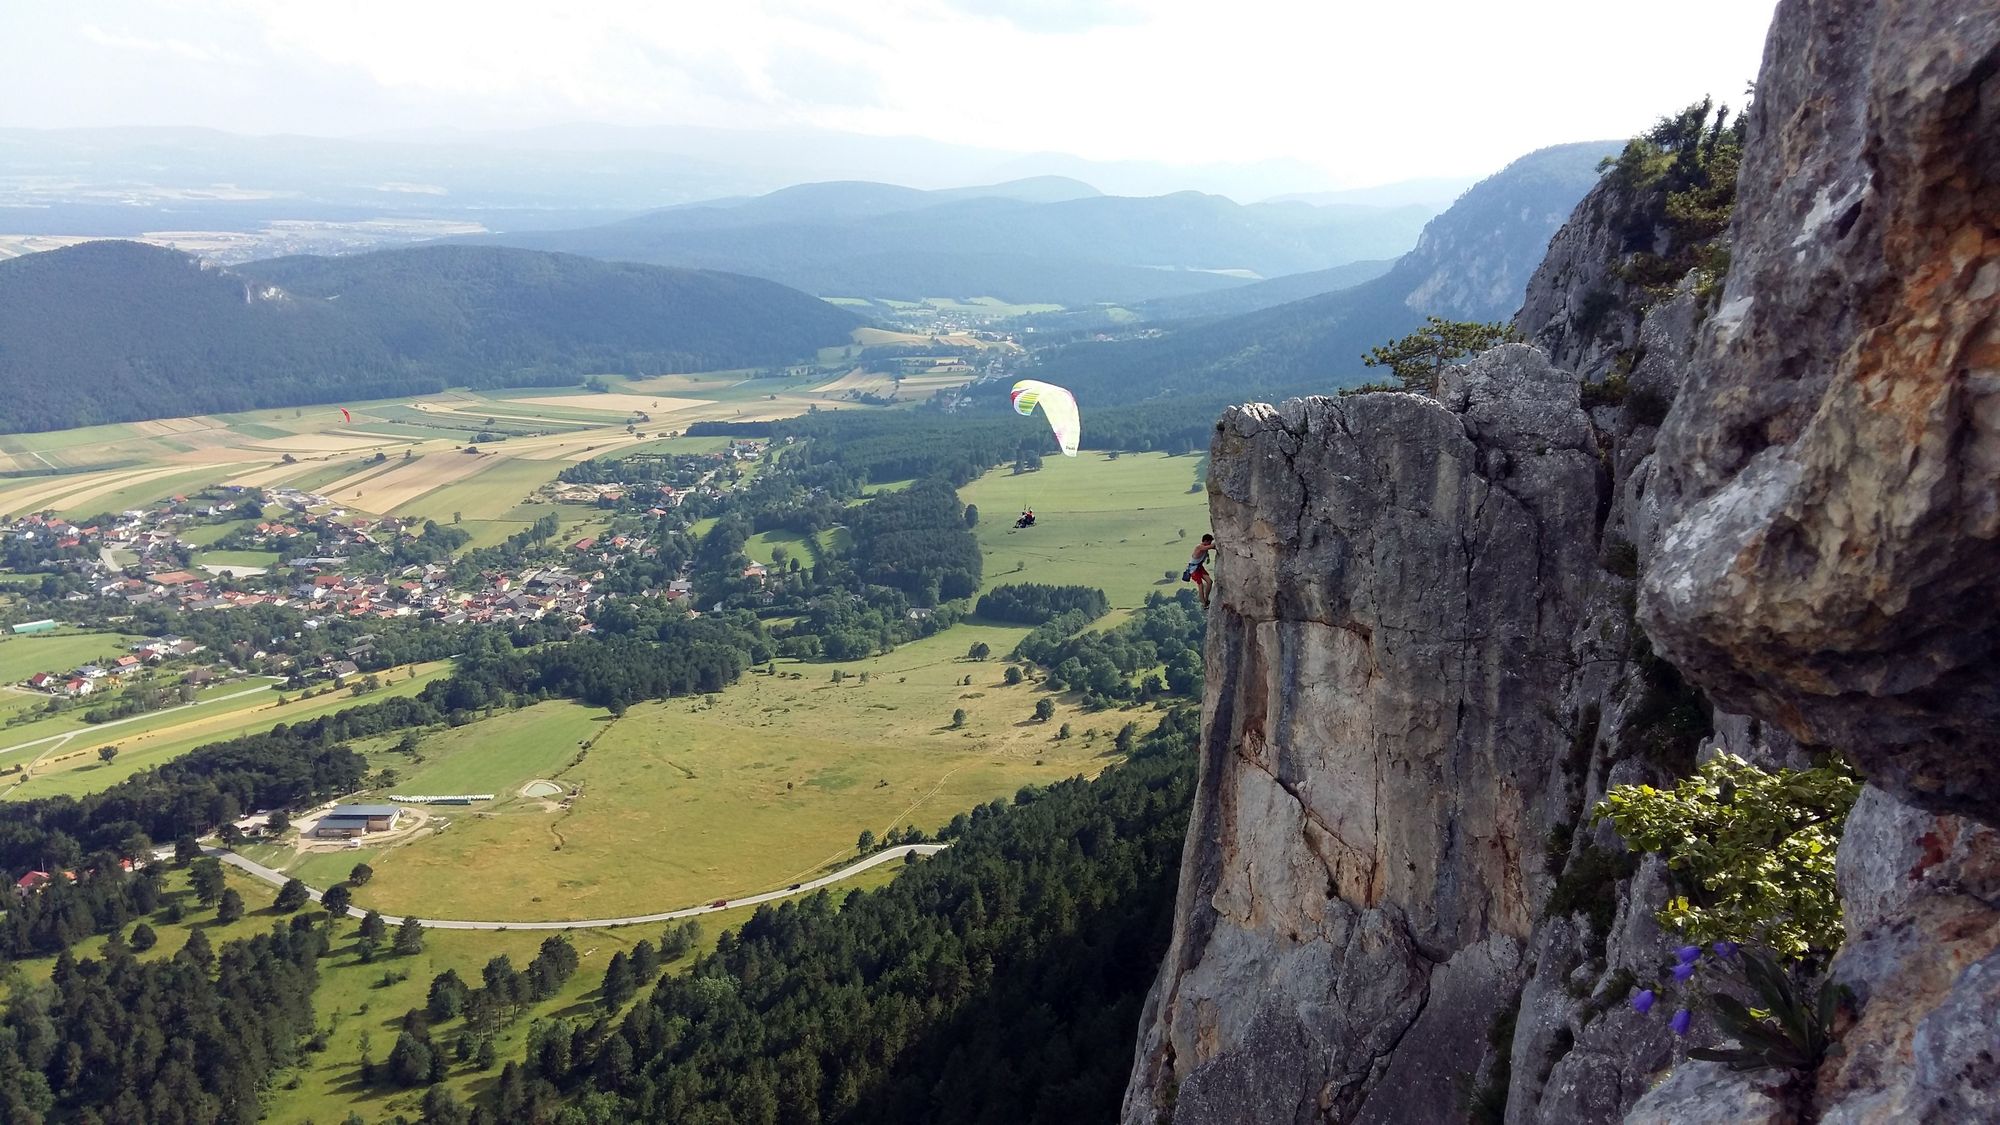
112	331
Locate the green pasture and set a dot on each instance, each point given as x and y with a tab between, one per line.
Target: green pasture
1117	525
76	769
264	559
489	494
22	656
496	755
206	535
145	493
209	702
762	785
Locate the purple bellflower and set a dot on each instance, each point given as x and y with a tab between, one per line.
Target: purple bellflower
1643	1002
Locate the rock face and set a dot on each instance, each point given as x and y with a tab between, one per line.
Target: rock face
1425	664
1831	477
1832	467
1362	880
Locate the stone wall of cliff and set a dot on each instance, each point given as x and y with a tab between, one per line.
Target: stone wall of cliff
1830	482
1426	664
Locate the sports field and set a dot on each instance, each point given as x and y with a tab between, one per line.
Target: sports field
1119	525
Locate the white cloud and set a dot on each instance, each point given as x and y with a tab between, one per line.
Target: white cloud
173	48
1367	91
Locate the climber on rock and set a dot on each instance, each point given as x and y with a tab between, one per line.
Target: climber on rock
1197	568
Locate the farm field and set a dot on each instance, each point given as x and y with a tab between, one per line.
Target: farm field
22	656
110	468
764	784
74	768
1111	524
211	701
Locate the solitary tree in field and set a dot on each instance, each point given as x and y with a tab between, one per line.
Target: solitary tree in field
107	753
143	938
337	899
980	650
1417	360
229	907
291	896
1013	674
866	842
1045	709
361	874
410	937
373	927
958	719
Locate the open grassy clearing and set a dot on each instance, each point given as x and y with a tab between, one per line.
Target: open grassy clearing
497	755
207	534
263	559
133	494
74	769
59	651
684	801
490	494
211	701
1111	524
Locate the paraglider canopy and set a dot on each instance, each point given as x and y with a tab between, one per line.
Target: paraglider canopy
1058	406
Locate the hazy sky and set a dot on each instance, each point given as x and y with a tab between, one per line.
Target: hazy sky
1369	91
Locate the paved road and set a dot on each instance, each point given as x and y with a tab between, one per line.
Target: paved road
279	878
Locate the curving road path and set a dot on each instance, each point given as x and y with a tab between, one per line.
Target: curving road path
279	878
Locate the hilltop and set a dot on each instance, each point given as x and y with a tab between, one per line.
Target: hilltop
151	332
1047	239
1471	263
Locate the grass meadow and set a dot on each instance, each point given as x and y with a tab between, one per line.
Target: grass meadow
1119	525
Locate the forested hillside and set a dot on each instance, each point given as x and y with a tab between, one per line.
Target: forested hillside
113	331
1472	263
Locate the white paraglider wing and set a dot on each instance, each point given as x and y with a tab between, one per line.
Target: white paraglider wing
1058	406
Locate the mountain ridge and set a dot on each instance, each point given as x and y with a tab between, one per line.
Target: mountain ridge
156	333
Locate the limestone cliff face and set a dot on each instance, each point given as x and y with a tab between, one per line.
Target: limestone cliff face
1425	663
1362	881
1831	474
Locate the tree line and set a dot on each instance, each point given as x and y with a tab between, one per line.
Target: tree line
188	1040
996	982
1033	603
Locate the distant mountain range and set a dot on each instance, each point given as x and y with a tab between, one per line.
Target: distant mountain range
1472	263
1040	240
115	331
1214	304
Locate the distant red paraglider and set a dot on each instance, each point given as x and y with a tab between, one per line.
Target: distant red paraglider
345	416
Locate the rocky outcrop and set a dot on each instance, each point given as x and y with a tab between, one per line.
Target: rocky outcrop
1363	875
1392	905
1833	466
1831	478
